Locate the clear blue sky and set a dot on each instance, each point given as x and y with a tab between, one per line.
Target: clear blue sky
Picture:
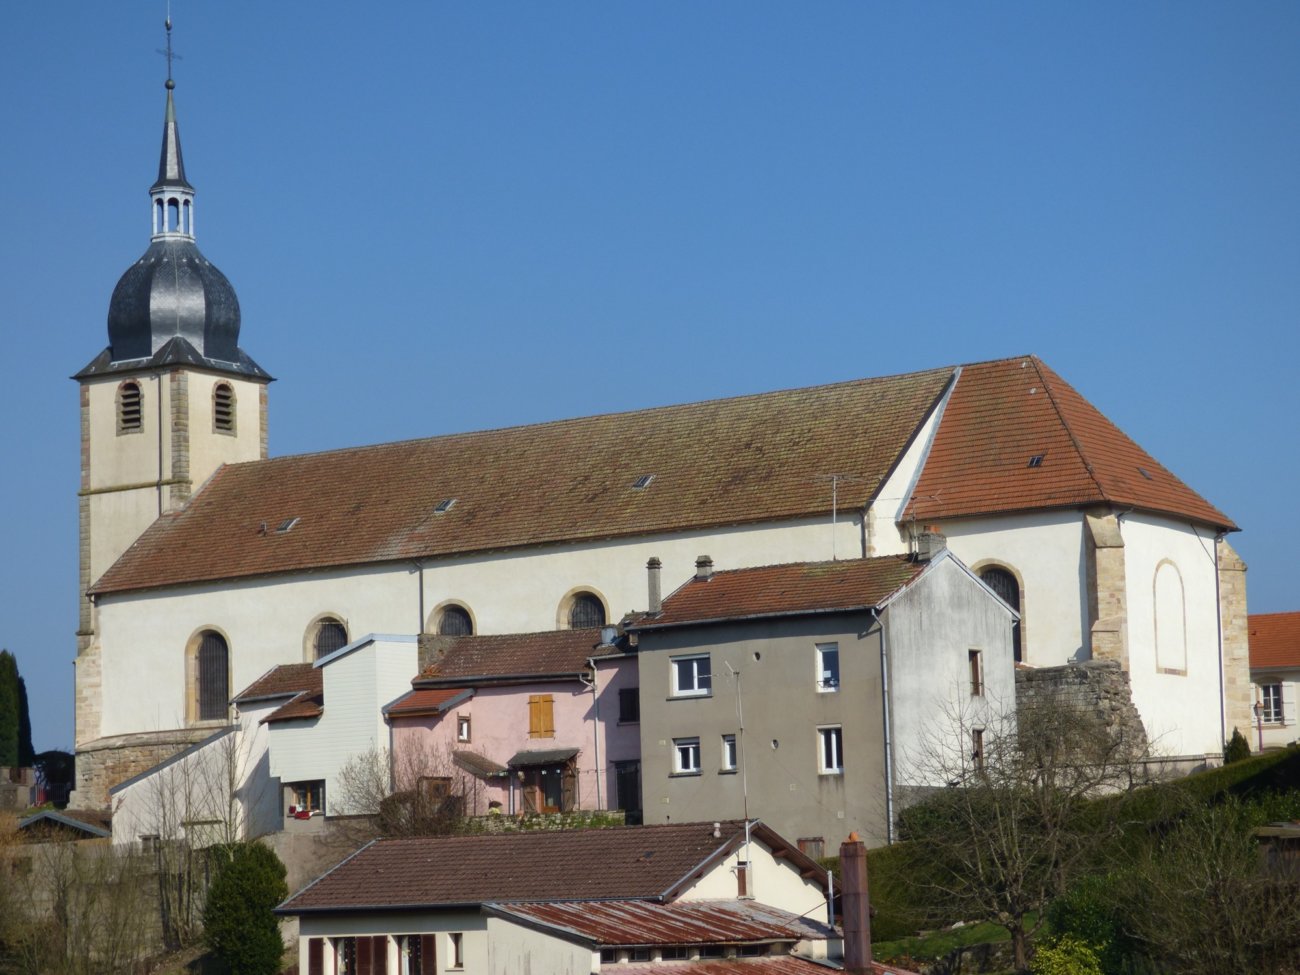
450	216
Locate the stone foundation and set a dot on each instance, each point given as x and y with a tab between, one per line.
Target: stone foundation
106	762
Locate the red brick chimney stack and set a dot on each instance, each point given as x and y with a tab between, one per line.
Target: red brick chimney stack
855	905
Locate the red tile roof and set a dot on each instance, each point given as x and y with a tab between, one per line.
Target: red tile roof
551	652
720	462
1274	639
641	923
308	704
284	681
426	701
1003	413
784	590
631	862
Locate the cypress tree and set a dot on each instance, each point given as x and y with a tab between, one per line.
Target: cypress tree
9	708
26	753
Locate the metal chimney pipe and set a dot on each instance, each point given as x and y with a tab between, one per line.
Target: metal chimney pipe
704	568
656	593
855	906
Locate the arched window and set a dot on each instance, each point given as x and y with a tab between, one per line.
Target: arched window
223	408
1007	587
1170	619
130	408
455	621
330	635
586	611
212	690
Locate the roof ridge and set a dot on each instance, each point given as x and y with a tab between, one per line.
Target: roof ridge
811	563
1069	431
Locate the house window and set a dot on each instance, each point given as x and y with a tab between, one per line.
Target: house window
828	666
813	846
975	660
455	950
586	611
541	716
629	705
213	672
415	954
330	635
728	753
455	621
691	676
1270	696
130	408
686	756
462	727
675	953
1005	585
832	750
308	798
977	748
223	408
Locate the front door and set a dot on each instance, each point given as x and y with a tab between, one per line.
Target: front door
627	788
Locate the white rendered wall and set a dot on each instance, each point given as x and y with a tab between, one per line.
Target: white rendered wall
514	949
210	449
1181	711
1045	551
357	684
144	635
886	523
930	630
771	881
471	924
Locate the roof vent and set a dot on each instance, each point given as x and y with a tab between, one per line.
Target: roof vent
287	524
1145	473
1036	460
443	506
642	482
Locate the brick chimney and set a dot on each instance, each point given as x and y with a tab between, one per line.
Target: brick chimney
656	593
704	568
855	906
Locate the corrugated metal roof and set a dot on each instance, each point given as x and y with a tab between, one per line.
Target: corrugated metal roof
636	923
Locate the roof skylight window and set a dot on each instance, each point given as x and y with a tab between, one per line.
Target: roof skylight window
1145	473
1036	460
643	481
287	524
443	506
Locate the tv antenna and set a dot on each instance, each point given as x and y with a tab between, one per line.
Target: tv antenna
835	480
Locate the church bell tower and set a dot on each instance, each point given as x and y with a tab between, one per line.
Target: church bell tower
170	399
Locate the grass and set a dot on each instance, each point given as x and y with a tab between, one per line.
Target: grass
939	944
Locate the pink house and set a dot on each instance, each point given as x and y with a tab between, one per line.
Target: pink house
520	723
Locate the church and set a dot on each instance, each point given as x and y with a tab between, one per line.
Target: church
204	562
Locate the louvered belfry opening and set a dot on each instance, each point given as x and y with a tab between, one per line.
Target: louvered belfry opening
130	408
223	408
455	621
214	681
331	635
1005	585
586	611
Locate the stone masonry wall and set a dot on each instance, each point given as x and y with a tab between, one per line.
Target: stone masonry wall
1236	641
1097	686
110	761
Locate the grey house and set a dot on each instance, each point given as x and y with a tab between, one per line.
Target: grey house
809	693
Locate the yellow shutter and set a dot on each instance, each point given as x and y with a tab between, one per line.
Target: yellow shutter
548	716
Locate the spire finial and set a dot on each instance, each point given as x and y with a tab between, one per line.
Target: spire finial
168	53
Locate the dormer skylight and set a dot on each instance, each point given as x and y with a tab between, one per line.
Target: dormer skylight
642	482
443	506
1036	460
287	524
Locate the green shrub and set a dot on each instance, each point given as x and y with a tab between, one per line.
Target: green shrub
1068	956
237	922
1236	749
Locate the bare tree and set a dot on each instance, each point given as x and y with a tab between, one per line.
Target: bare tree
1001	829
417	792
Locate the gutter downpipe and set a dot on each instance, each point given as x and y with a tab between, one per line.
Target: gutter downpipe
889	745
595	730
419	568
1218	625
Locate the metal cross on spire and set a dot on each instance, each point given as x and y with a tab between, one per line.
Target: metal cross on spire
168	53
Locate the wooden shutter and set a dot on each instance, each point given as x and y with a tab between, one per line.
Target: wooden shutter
534	716
364	966
379	954
548	716
427	955
315	956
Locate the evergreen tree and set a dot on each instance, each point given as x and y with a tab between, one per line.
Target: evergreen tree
9	709
237	923
26	753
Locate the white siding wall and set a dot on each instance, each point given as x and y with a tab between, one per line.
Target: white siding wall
358	683
513	949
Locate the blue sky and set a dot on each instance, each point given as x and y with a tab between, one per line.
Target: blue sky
444	217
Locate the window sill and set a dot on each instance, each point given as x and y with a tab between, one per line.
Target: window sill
684	775
831	773
622	724
1172	671
690	697
727	771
